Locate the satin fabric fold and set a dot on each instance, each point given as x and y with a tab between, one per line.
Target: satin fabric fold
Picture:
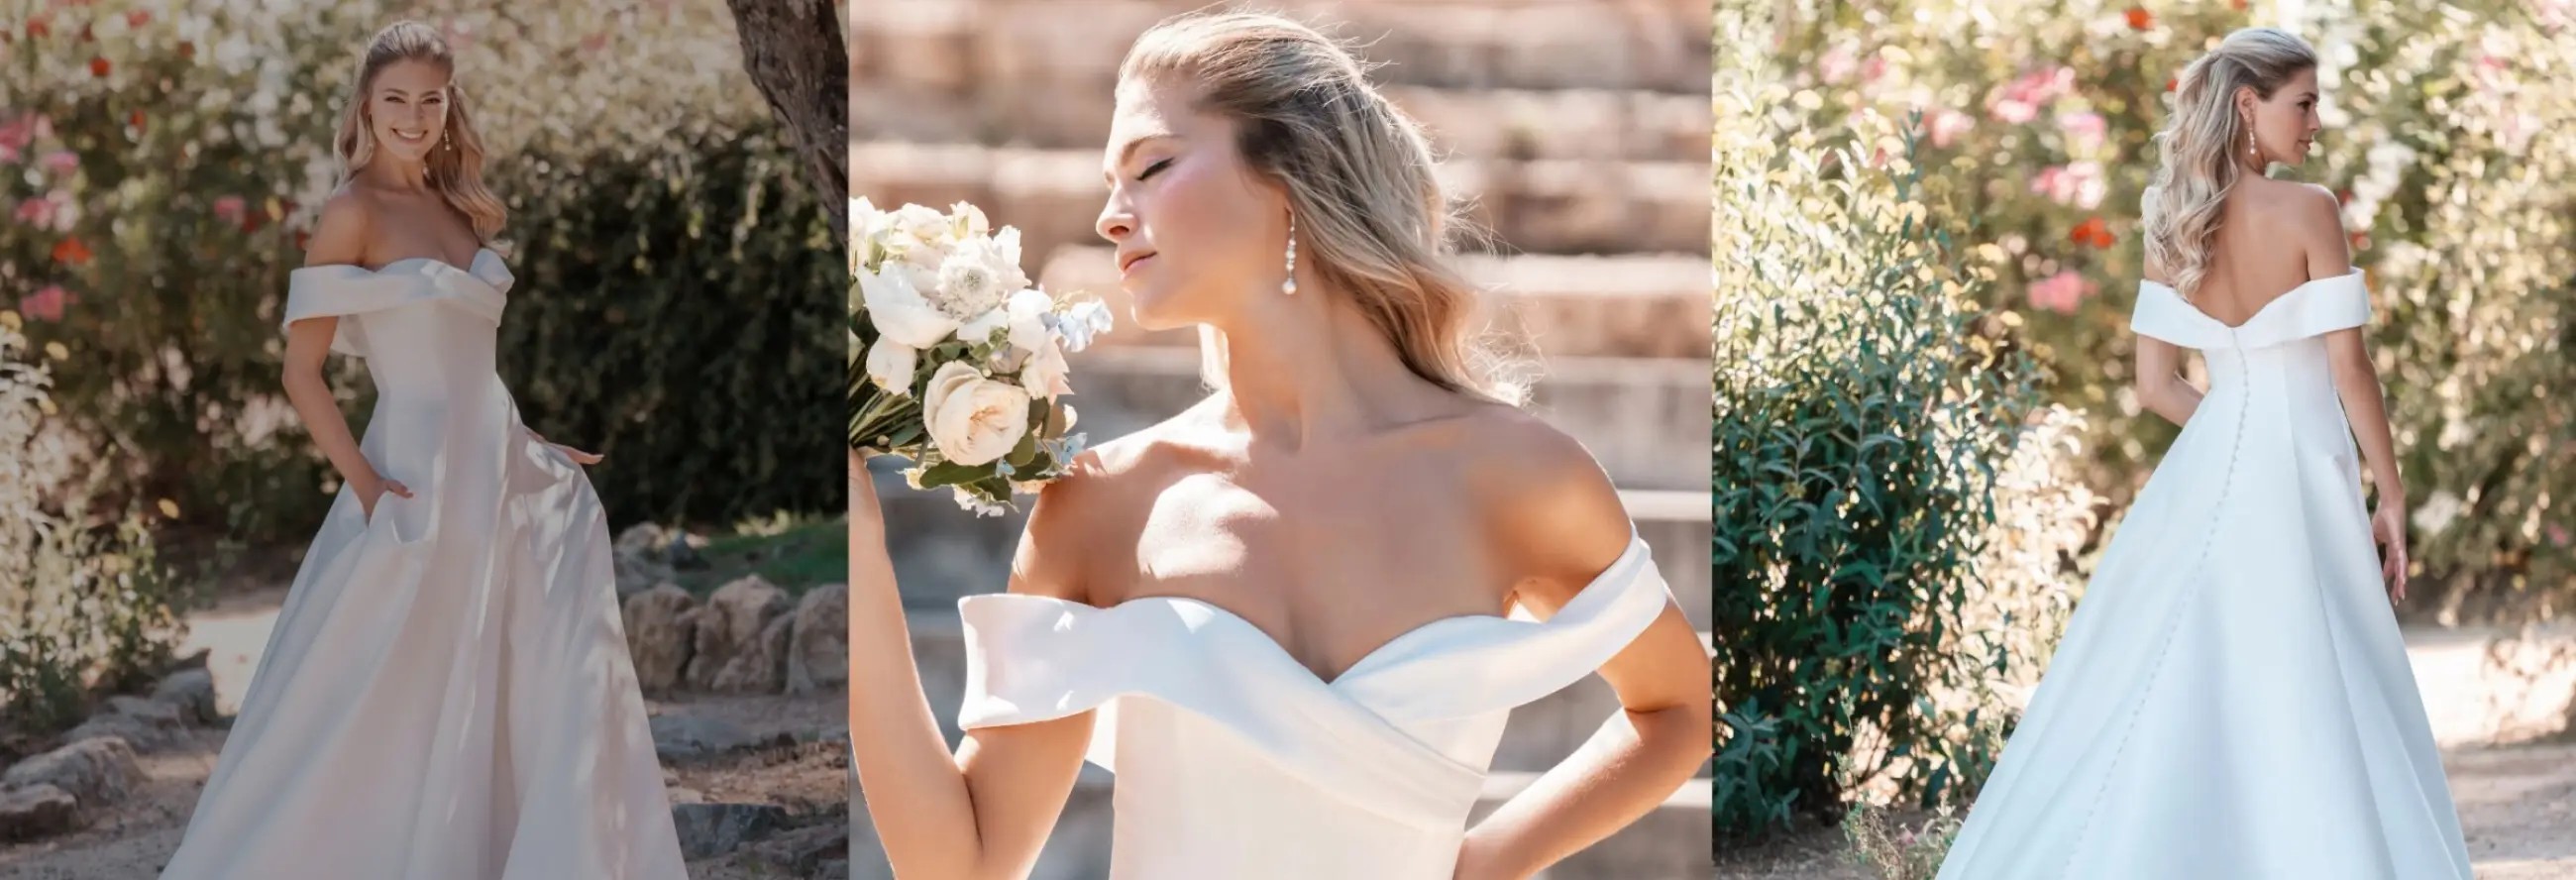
1235	760
2231	699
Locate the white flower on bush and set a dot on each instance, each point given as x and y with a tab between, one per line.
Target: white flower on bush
972	419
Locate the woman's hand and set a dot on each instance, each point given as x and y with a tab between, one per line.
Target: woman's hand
2388	528
577	456
373	487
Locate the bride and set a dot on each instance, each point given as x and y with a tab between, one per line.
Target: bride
1277	615
447	692
2231	699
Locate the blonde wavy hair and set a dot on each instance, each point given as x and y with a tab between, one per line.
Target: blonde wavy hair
2199	165
1371	216
457	174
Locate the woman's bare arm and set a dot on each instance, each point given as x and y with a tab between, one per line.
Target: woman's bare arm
984	811
339	238
2159	384
1564	523
2329	254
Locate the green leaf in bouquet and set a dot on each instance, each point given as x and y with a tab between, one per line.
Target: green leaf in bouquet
949	473
906	435
1026	450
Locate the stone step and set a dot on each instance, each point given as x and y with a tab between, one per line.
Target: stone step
942	553
1631	305
955	48
1545	206
1645	419
1672	842
1591	125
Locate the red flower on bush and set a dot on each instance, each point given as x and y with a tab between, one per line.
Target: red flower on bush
2093	231
138	18
71	252
2140	19
98	67
187	48
37	29
136	119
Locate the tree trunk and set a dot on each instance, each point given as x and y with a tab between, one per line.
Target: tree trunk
795	53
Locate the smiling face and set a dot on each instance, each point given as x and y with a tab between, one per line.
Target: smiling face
407	108
1197	230
2286	124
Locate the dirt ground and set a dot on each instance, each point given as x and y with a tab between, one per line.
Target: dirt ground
2517	809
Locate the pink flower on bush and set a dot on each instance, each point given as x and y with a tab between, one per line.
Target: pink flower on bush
61	162
2021	100
2078	183
2061	292
2558	534
2084	129
46	304
18	132
231	209
1836	64
1947	125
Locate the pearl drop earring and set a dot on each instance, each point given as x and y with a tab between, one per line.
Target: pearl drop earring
1289	287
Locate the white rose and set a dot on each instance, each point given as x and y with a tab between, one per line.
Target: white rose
979	275
890	366
900	311
1046	372
973	420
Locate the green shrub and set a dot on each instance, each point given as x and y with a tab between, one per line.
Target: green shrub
1879	449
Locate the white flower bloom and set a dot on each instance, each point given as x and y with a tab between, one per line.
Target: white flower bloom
980	330
973	420
900	311
890	365
979	275
1080	323
1028	313
1046	372
976	503
973	218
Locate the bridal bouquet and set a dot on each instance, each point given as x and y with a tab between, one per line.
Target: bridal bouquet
956	362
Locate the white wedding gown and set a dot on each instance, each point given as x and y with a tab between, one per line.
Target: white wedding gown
2231	700
447	694
1234	760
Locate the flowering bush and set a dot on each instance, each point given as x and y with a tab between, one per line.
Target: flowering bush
163	159
2446	137
955	361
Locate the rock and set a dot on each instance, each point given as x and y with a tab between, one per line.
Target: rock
679	738
37	811
728	644
818	644
709	830
95	771
661	628
638	559
147	725
763	668
804	850
192	692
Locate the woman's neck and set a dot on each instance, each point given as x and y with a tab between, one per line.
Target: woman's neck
1311	368
400	175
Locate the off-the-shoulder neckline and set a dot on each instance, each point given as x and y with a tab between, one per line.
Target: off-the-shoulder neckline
479	254
2258	313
